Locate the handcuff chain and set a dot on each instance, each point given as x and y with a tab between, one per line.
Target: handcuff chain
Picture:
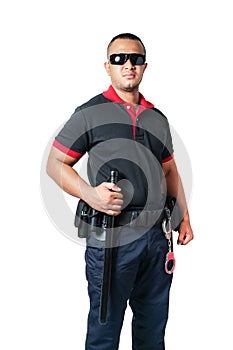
167	229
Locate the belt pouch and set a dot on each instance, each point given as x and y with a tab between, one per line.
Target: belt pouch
81	219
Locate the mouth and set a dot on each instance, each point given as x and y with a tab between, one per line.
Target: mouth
129	76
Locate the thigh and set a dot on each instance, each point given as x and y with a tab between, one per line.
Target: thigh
126	260
124	271
126	265
101	336
150	297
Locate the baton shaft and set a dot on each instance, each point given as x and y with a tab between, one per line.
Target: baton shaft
108	252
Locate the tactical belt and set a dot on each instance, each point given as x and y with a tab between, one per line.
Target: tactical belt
139	218
87	218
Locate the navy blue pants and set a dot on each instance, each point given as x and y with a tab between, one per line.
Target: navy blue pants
139	277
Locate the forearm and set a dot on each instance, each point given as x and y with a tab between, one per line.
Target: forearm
175	188
106	197
67	178
70	181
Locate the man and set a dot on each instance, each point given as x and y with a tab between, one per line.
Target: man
121	130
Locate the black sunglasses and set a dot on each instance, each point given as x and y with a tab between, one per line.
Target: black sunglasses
120	58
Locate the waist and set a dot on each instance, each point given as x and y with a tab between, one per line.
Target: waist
139	218
136	222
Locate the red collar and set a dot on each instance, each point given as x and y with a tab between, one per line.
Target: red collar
111	94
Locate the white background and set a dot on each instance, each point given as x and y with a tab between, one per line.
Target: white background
52	55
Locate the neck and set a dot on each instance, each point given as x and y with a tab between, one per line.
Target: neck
128	96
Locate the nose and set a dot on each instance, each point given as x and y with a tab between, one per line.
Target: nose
128	64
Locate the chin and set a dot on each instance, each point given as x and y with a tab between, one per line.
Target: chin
131	87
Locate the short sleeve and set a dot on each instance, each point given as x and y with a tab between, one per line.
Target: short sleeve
73	137
168	151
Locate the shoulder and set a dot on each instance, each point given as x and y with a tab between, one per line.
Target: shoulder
159	113
94	101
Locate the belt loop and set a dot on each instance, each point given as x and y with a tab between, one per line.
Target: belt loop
134	215
146	218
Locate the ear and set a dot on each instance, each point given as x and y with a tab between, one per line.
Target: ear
145	66
107	68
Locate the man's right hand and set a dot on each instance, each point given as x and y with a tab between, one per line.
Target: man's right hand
105	198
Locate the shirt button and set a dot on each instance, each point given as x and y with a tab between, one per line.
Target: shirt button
128	107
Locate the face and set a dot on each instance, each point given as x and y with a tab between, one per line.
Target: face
126	77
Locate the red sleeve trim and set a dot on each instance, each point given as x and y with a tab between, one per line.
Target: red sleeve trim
168	158
67	150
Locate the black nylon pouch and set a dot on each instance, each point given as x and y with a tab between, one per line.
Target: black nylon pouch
81	218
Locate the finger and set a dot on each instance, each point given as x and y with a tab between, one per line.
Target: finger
188	237
116	197
180	240
184	238
113	212
116	206
112	186
115	188
118	201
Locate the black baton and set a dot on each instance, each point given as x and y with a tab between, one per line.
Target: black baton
108	226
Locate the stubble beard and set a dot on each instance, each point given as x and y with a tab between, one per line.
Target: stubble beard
131	87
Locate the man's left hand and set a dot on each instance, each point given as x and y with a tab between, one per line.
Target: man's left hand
185	233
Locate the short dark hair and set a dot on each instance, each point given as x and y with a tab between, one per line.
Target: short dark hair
126	36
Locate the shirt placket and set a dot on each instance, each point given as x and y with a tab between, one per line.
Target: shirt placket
134	115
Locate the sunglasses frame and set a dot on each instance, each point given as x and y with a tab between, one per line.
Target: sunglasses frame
124	58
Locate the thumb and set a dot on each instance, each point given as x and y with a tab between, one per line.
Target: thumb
112	186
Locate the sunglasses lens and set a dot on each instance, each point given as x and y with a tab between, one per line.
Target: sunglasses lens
137	59
118	59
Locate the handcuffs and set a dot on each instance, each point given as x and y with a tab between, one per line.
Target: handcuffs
170	261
